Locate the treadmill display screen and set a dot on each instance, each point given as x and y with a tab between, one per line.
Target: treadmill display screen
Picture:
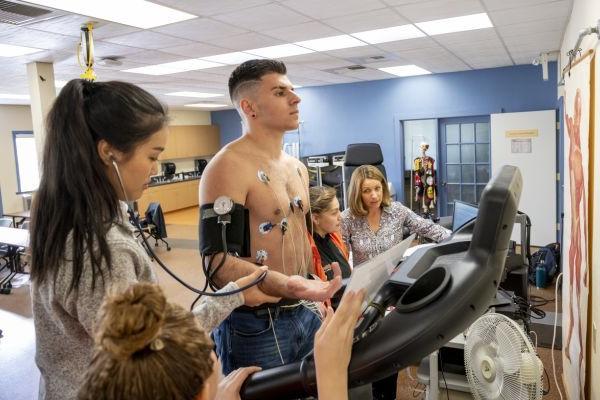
463	213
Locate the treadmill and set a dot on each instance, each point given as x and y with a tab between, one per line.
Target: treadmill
438	292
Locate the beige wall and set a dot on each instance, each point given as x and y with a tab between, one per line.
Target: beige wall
585	14
189	117
12	118
18	118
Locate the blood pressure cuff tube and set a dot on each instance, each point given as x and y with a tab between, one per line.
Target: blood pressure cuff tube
237	231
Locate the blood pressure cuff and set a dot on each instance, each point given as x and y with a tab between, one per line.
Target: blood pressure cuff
237	231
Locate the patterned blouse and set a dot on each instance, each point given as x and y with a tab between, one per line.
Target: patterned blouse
365	244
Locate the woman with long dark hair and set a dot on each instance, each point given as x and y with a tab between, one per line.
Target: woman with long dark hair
102	145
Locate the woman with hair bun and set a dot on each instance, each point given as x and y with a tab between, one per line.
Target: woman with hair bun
147	348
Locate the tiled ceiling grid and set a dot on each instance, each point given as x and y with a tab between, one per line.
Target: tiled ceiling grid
522	30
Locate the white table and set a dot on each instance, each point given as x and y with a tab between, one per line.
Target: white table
14	239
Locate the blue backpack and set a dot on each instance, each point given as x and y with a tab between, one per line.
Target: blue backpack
548	258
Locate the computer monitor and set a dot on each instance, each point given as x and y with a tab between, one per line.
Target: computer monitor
463	213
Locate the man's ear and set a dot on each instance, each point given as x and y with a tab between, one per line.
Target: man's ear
247	108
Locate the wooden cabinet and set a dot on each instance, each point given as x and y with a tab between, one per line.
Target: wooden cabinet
172	196
170	151
188	141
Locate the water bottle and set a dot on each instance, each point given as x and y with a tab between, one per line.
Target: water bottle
540	277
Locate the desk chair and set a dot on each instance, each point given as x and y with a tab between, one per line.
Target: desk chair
358	154
153	224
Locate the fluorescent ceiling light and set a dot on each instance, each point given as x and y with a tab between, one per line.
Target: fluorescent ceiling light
390	34
207	105
405	70
331	43
198	95
14	96
279	51
139	13
174	67
8	50
297	86
456	24
235	58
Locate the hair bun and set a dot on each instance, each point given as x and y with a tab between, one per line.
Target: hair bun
132	320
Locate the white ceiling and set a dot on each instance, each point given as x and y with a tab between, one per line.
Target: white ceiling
522	30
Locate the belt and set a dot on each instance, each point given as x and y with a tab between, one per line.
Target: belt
270	308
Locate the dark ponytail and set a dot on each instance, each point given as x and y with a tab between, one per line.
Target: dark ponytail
75	196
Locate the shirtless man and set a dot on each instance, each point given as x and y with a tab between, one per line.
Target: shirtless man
255	172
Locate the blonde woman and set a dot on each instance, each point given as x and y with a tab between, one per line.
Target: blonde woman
372	223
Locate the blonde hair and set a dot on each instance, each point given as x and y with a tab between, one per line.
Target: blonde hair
146	348
320	201
359	175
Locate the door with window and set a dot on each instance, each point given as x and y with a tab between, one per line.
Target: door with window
464	167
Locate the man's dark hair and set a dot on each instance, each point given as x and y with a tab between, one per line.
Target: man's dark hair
252	71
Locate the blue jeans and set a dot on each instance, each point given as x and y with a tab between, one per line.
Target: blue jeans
245	339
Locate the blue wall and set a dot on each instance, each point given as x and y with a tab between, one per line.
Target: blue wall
336	115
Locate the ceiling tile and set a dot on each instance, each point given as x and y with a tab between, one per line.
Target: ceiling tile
301	32
148	40
537	12
366	74
494	5
304	82
542	39
246	41
376	19
320	9
112	29
478	35
438	9
532	27
357	52
40	40
200	29
211	7
409	44
152	57
105	49
69	25
316	60
263	17
196	50
400	2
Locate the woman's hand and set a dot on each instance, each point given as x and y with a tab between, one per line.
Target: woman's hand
229	387
333	347
253	296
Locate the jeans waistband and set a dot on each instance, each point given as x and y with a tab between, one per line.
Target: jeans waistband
270	308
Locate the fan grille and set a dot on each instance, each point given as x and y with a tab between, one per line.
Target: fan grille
500	361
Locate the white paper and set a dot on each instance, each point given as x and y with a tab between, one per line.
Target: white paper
373	274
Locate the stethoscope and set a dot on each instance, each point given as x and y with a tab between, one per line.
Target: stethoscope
223	206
